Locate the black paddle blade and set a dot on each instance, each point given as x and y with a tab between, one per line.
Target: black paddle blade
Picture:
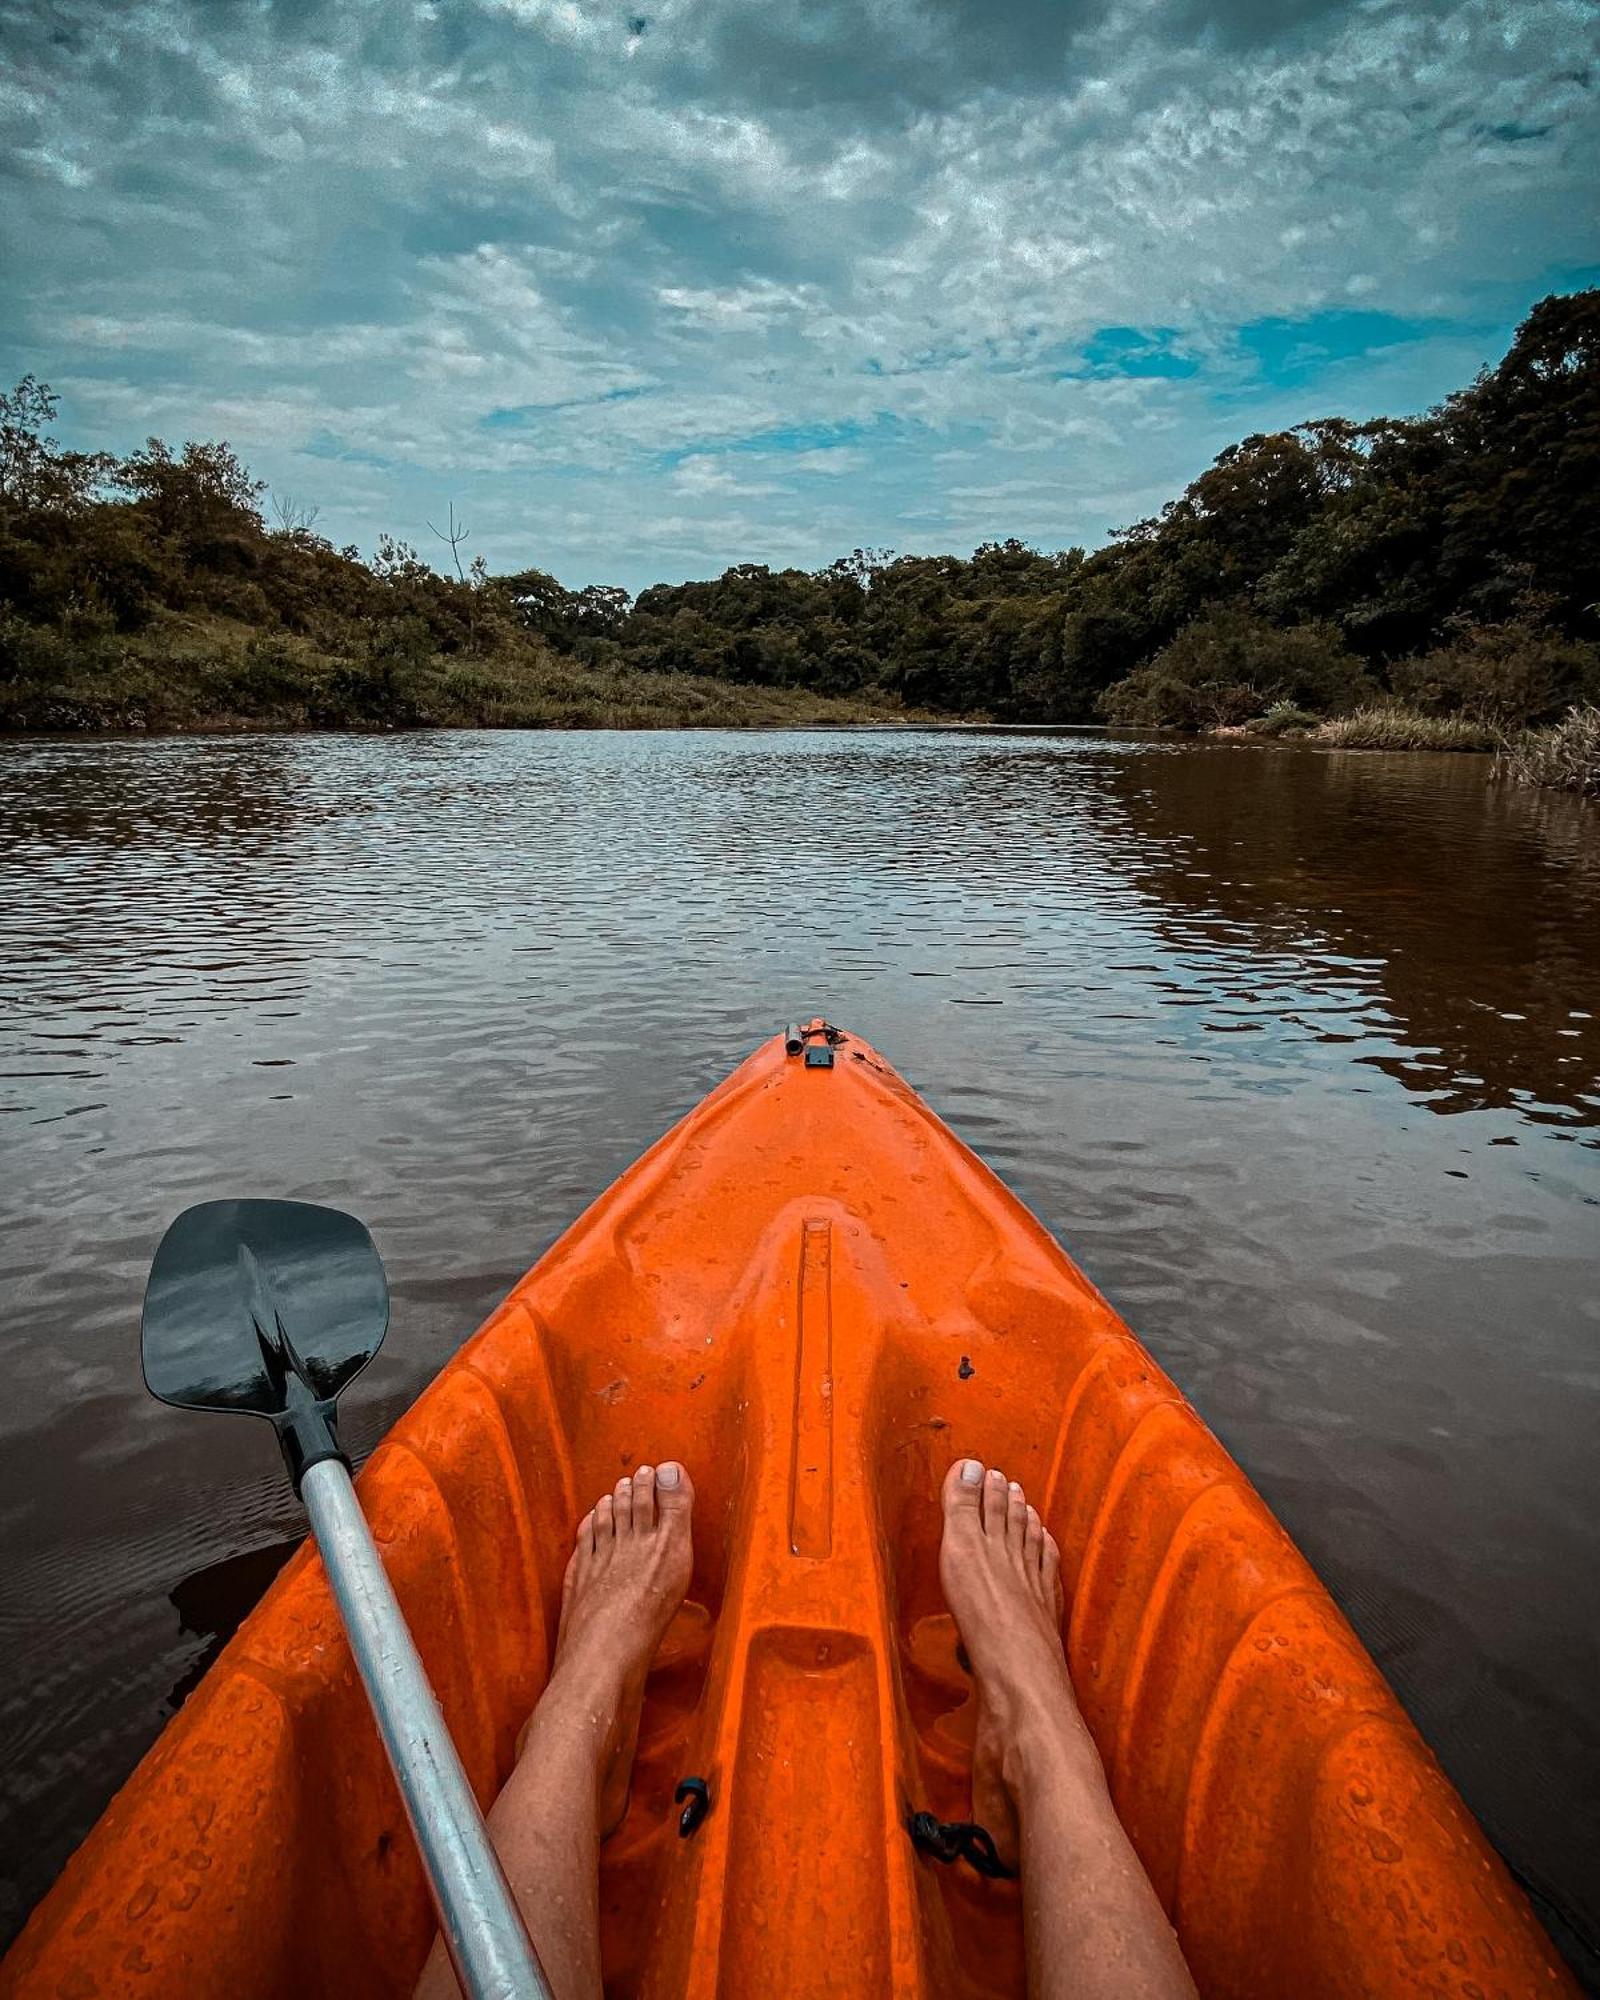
271	1307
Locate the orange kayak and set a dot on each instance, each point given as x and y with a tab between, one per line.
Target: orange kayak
816	1297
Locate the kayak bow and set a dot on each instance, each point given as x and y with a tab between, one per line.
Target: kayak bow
816	1297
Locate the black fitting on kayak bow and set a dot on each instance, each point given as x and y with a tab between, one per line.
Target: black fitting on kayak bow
815	1043
698	1794
955	1840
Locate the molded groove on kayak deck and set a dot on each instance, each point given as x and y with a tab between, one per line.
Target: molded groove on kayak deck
1184	1644
812	1733
471	1460
811	1466
1153	1481
1116	1384
510	1355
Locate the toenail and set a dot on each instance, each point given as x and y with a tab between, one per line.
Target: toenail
669	1475
997	1475
971	1472
645	1472
1016	1486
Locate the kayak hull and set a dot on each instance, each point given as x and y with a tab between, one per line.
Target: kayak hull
816	1297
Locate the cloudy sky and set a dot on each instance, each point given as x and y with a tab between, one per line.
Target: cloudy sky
716	281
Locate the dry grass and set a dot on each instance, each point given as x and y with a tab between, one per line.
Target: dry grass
1565	756
1396	728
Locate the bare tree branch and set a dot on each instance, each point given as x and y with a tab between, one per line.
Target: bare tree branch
457	535
293	517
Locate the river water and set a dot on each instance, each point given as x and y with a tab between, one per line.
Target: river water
1298	1053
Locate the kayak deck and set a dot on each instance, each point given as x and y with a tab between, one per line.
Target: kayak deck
812	1294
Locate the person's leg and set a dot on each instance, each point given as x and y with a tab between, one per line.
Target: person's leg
627	1576
1092	1925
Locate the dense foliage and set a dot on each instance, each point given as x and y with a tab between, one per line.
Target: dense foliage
1450	560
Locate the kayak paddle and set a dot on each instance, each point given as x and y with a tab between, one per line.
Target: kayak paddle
273	1308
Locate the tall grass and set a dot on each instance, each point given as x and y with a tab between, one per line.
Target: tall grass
1565	756
1396	728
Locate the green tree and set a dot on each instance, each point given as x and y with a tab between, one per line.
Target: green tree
35	472
194	494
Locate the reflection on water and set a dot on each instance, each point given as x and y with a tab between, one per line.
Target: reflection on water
1465	914
212	1603
1204	1006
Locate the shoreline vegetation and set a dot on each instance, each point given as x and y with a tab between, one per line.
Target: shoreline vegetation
1561	756
1418	583
212	676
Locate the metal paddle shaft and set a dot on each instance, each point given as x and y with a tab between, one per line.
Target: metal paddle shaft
478	1916
272	1308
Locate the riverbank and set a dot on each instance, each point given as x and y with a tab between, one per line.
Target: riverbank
197	675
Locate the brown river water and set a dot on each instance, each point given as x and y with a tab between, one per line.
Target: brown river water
1298	1053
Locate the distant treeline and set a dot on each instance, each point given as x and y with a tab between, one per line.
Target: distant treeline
1450	560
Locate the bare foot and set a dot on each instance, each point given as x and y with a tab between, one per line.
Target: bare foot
1001	1574
627	1575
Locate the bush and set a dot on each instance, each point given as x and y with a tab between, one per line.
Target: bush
404	642
31	654
381	690
1283	719
1504	676
273	668
1565	756
1228	666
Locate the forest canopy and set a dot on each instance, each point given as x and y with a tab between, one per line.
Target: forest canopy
1452	559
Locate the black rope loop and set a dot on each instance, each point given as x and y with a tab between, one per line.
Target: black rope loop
952	1840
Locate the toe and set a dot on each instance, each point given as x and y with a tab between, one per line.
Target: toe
605	1523
622	1504
963	1487
674	1492
994	1505
1016	1518
1033	1543
583	1541
1052	1574
644	1500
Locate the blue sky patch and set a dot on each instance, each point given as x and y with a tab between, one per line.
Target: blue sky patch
1150	352
1297	350
520	416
